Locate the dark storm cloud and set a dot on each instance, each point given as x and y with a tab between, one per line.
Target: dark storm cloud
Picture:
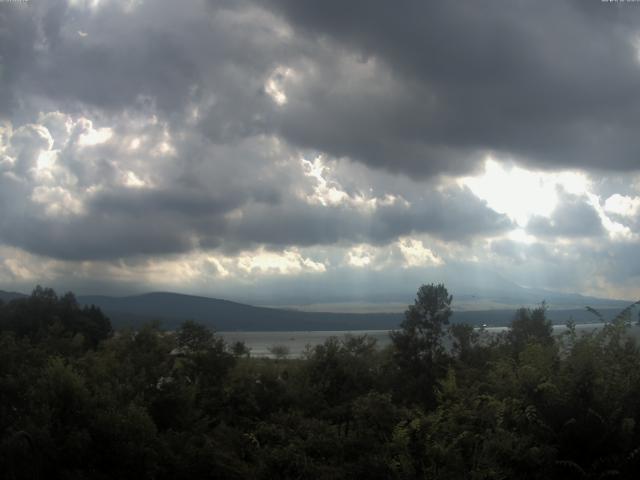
83	206
123	223
100	237
114	227
421	87
17	33
573	217
111	69
454	215
554	83
418	88
162	56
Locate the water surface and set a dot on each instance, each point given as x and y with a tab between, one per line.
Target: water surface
297	341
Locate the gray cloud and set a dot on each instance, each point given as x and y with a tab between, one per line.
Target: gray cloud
605	269
443	84
553	85
212	105
198	194
123	223
573	217
454	215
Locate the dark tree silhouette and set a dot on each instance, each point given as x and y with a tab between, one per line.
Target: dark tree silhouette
419	351
530	326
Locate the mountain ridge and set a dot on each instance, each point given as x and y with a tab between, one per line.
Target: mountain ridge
171	309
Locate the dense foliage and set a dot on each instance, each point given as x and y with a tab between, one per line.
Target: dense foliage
443	401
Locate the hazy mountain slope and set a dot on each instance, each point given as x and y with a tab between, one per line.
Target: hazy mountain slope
172	309
473	288
8	296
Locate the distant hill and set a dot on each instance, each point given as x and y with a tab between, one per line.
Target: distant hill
473	288
8	296
171	309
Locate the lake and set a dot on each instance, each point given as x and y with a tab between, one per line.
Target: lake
296	342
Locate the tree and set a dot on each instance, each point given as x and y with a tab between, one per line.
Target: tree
240	349
206	363
419	352
280	352
61	320
194	337
530	326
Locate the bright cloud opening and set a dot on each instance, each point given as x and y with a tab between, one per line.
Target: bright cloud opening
521	193
521	236
622	205
275	84
416	254
95	136
360	256
287	262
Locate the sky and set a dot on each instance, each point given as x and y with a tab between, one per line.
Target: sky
294	150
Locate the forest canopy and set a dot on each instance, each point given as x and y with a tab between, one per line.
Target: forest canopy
443	400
